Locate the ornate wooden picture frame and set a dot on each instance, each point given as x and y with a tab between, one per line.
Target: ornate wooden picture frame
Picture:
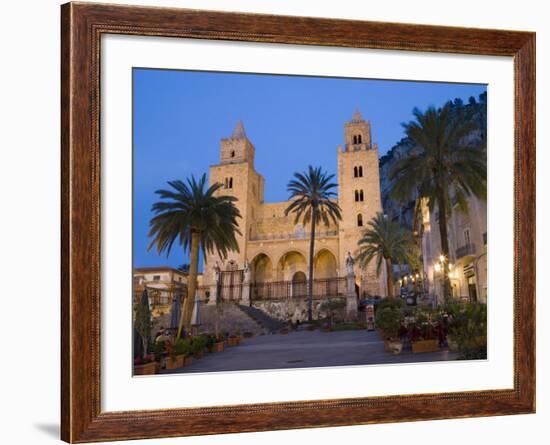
82	26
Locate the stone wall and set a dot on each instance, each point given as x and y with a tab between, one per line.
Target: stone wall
295	309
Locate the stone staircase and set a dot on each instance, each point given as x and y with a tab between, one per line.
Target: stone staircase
267	323
230	319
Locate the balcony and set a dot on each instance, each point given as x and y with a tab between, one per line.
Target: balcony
466	250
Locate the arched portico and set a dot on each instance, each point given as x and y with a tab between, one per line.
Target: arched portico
262	268
291	262
299	284
325	265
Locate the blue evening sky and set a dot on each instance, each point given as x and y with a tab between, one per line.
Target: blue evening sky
293	121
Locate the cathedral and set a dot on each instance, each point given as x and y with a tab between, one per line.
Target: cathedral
272	248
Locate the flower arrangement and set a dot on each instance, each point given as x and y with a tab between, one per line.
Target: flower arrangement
146	359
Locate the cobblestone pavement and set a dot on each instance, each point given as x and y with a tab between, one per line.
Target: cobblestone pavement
305	349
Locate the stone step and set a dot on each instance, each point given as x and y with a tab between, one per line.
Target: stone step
270	324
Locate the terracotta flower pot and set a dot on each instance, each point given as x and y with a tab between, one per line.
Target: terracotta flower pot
425	346
176	362
146	369
218	347
198	354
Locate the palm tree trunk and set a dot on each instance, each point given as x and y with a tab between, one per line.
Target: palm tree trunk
191	284
389	278
310	283
443	235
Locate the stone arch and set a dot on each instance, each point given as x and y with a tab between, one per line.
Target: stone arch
325	264
291	262
262	268
299	284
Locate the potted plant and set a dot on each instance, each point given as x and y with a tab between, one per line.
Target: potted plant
218	343
177	353
210	341
145	365
239	336
468	331
424	337
198	344
232	340
388	320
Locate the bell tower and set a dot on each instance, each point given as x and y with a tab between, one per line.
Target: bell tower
237	148
358	196
239	178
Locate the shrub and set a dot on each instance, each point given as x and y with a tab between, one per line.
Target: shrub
158	349
182	347
331	306
198	344
388	319
389	302
210	340
468	327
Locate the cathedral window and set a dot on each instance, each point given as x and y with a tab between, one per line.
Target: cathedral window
361	197
360	171
356	195
233	153
360	220
228	183
355	172
358	139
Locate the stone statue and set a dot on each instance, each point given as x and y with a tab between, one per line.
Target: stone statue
349	264
246	272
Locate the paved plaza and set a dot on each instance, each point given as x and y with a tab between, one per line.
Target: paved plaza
306	349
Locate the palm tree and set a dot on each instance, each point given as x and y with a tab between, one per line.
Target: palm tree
197	218
313	201
447	161
386	242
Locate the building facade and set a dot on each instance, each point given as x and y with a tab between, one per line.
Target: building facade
162	284
275	249
467	252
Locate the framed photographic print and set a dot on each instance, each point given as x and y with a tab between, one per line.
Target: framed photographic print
275	222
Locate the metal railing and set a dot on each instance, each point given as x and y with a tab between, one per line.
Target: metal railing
280	290
285	236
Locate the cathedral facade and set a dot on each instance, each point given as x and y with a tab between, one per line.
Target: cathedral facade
272	248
